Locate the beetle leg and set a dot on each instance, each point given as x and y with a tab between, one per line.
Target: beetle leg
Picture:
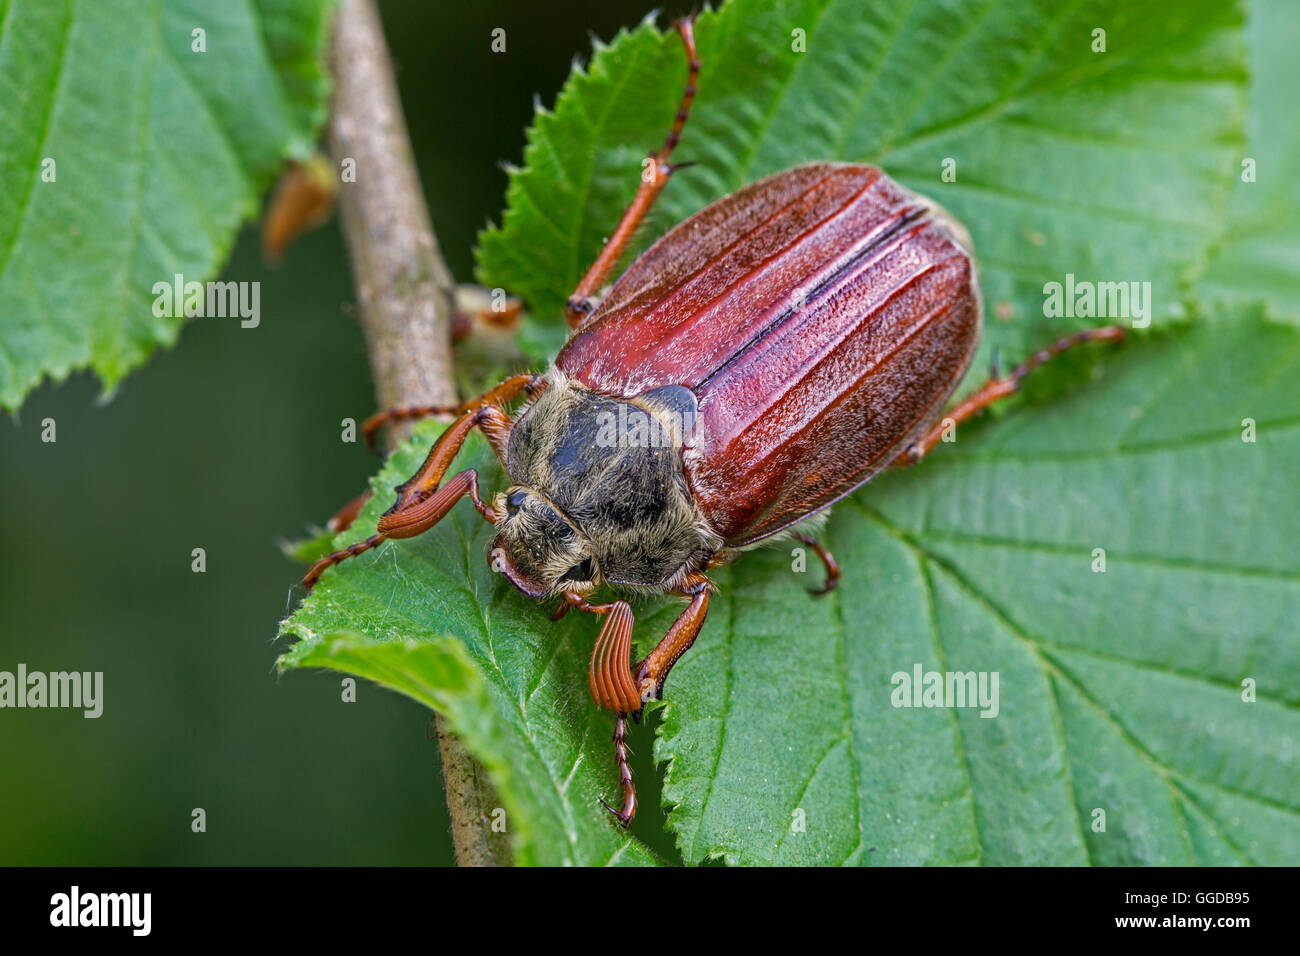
998	388
344	517
409	521
828	559
610	676
652	183
534	385
420	502
496	429
424	514
653	671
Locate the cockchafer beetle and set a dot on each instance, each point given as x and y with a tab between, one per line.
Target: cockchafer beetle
763	359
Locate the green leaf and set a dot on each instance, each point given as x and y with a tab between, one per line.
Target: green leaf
439	674
1109	166
308	549
159	154
513	685
1261	256
1119	691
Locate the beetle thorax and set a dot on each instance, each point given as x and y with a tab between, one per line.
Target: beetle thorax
612	468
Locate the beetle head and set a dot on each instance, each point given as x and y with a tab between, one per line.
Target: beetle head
538	549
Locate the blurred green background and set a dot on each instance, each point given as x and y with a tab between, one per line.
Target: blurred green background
231	442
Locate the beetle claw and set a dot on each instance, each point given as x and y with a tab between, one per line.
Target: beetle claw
623	820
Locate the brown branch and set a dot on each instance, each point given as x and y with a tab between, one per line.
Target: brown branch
405	293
